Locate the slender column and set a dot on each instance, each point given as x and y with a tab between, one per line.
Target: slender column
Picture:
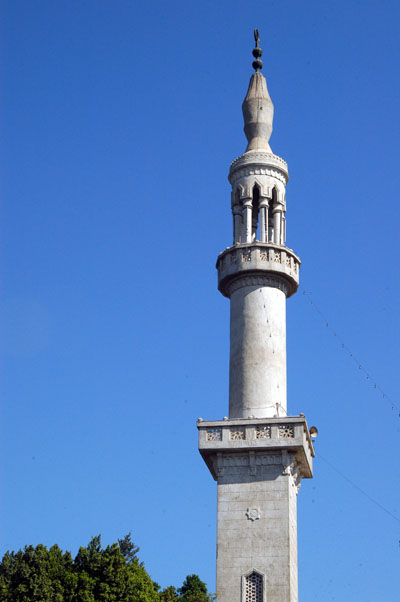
283	229
247	220
277	226
263	220
237	224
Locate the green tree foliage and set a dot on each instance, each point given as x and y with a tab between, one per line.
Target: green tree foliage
111	574
169	594
128	549
194	590
35	575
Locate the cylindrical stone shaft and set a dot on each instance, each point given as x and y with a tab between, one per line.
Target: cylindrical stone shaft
257	371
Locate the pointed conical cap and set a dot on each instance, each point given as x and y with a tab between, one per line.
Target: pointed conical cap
258	110
258	113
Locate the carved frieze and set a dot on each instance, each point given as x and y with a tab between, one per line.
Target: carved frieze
246	255
249	447
276	264
273	281
245	172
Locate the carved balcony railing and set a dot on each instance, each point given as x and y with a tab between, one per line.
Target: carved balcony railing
289	433
258	259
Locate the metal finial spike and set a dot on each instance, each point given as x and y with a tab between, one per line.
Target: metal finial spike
257	52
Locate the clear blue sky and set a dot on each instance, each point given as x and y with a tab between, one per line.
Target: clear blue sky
119	120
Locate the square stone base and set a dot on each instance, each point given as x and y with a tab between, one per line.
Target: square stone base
258	464
257	529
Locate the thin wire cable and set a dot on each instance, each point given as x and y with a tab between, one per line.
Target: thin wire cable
371	499
360	366
357	487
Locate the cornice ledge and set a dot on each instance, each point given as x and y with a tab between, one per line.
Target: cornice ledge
271	280
259	158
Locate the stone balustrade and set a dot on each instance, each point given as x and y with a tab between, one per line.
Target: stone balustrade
258	259
289	433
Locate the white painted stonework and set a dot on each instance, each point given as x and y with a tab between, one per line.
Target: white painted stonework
267	545
257	375
259	454
258	465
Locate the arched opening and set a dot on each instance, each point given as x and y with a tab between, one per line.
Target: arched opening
253	587
271	219
255	231
237	218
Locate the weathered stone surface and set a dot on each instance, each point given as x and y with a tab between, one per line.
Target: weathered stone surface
258	477
267	544
288	437
258	113
259	455
257	372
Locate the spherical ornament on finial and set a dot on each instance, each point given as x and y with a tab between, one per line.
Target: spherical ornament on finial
257	52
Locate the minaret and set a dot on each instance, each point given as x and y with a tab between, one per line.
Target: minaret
259	454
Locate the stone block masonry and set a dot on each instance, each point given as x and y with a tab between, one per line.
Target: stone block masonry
259	454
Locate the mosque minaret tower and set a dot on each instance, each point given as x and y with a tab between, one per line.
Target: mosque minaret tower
259	454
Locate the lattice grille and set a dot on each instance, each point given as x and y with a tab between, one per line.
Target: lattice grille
214	434
263	432
253	588
286	431
237	434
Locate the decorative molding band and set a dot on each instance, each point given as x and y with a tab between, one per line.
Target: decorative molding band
244	172
230	465
277	265
257	156
246	447
267	280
